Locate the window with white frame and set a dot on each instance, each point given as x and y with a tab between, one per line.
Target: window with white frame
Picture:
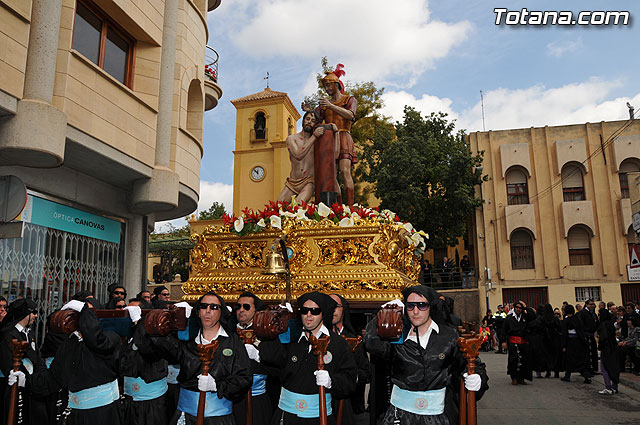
589	292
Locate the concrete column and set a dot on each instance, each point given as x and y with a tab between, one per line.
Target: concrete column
161	191
35	136
134	255
43	49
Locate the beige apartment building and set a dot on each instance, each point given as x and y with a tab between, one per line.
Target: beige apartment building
101	116
556	221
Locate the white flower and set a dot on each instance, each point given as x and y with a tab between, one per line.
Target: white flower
389	214
417	239
355	216
276	221
346	209
323	210
286	213
424	235
346	222
261	223
408	227
238	224
301	214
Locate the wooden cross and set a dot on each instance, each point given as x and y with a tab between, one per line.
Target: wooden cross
17	349
205	352
319	346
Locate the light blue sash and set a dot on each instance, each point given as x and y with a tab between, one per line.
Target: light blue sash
99	396
28	365
259	386
142	391
303	405
48	361
172	374
419	402
213	406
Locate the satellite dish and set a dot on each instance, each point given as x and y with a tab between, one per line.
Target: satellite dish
13	197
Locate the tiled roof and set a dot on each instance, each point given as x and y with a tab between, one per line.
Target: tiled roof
263	95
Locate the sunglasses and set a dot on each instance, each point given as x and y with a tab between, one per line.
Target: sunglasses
119	307
212	306
244	306
313	310
164	294
422	305
119	292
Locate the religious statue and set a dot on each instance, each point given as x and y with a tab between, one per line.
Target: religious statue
339	111
300	145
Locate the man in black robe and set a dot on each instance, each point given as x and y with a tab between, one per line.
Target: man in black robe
500	316
229	376
424	361
299	374
343	327
574	346
35	383
144	373
245	308
516	329
590	325
86	365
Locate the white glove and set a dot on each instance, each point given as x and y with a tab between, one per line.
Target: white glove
472	382
207	383
187	308
74	305
394	302
323	378
287	306
16	376
135	312
253	352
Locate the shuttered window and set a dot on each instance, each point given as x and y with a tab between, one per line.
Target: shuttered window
572	183
517	188
579	241
626	167
521	250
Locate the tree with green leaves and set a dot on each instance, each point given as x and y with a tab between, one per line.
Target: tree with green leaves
425	172
216	211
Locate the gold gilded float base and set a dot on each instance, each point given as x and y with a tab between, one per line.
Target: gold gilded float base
369	262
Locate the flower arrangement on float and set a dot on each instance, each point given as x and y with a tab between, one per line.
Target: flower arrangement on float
274	213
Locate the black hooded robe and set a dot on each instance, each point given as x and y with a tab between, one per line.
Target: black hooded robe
519	365
608	346
139	359
574	344
87	363
417	369
297	364
40	385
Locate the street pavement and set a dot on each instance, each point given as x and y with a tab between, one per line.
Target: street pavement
549	401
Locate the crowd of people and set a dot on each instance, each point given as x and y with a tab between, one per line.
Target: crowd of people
584	339
97	376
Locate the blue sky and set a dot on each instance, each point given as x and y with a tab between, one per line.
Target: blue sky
433	55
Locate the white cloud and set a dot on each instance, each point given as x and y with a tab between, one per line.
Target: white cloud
559	48
589	101
210	192
394	103
372	38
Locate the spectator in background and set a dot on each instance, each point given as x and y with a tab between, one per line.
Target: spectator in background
160	296
3	308
611	306
444	268
465	269
578	308
145	299
601	305
499	318
629	346
609	359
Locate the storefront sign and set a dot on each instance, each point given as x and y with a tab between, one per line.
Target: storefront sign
634	274
57	216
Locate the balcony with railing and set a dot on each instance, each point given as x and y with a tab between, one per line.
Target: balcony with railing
212	91
449	277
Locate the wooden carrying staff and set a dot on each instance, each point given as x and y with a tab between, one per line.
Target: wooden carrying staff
205	352
469	345
248	336
319	346
353	344
17	349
